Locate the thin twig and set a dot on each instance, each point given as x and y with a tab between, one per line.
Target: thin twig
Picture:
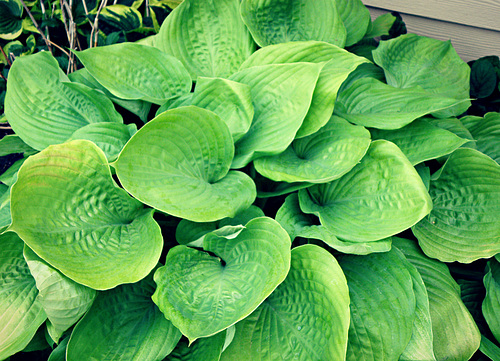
5	56
6	128
42	6
147	8
47	42
3	77
95	29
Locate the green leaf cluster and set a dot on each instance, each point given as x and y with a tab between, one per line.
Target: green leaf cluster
191	197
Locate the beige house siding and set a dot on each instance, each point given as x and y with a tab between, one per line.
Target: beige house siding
473	26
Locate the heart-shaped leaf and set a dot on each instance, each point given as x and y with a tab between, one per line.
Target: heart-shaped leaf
281	95
339	64
421	140
411	60
63	300
277	21
381	196
305	318
463	224
455	334
382	305
20	312
97	234
43	110
203	295
318	158
298	224
137	72
371	103
179	163
123	324
209	37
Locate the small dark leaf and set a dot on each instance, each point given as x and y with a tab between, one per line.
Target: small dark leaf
483	79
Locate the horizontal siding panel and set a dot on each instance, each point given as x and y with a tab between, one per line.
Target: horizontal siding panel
478	13
470	42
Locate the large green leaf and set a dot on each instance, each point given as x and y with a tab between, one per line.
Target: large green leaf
486	132
67	208
202	294
356	19
339	64
281	95
123	324
110	137
455	333
318	158
305	318
179	163
230	100
280	21
372	103
137	72
140	108
381	196
463	225
491	303
11	22
43	110
63	300
421	140
411	60
208	36
298	224
20	312
382	306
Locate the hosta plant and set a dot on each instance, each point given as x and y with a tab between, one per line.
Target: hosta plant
194	198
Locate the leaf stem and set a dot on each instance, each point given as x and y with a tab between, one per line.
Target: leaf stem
47	41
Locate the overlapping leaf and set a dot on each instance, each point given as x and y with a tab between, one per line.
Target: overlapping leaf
67	208
179	163
379	197
319	158
491	303
207	36
281	95
206	349
299	224
338	65
230	100
43	110
202	294
305	318
137	72
277	21
20	312
463	224
382	305
371	103
356	19
486	132
123	324
455	335
11	24
420	140
63	300
411	60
